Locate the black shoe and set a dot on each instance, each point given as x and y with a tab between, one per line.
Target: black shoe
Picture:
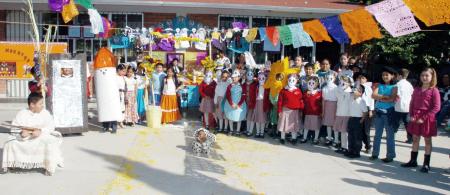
339	151
409	164
315	142
261	136
373	158
114	131
104	130
282	141
207	127
302	141
352	155
294	142
387	160
368	150
248	134
328	143
425	169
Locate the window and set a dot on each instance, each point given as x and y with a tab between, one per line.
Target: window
134	21
292	21
225	22
120	20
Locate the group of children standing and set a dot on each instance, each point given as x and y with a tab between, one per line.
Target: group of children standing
342	104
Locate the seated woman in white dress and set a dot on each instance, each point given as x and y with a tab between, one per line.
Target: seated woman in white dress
38	144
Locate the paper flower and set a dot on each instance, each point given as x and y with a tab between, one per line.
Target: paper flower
208	63
281	66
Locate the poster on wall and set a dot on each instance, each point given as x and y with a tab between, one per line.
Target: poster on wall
68	103
16	58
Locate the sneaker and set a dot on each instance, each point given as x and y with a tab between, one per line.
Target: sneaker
387	160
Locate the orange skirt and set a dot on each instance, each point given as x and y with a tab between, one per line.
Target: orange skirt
169	107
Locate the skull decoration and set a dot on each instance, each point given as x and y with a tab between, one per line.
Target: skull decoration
249	75
262	78
313	83
345	82
208	77
292	81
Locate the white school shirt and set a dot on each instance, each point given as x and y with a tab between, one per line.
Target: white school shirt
142	81
131	82
343	102
367	96
404	92
329	92
358	107
220	90
169	88
121	82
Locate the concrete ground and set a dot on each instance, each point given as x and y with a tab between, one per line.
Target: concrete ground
140	160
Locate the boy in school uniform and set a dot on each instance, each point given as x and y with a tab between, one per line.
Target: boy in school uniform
355	124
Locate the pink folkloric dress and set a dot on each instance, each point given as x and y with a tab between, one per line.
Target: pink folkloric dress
424	105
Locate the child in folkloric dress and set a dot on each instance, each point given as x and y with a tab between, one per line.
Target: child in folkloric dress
329	105
273	97
235	107
221	88
313	109
131	115
290	103
342	113
207	89
142	83
262	105
169	103
250	86
425	104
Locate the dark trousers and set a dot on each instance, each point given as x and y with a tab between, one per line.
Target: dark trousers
355	135
366	134
110	124
401	117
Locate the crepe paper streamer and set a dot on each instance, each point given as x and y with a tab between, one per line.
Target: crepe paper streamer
96	21
106	27
85	3
430	12
360	26
334	28
69	12
273	35
252	33
316	30
57	5
239	25
104	58
262	34
285	34
281	66
395	17
268	46
300	37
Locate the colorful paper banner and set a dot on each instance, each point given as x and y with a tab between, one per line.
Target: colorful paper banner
360	26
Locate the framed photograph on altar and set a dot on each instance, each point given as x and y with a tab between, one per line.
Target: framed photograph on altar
67	101
170	57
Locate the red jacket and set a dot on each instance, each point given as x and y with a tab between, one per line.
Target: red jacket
230	100
251	98
290	99
313	103
207	90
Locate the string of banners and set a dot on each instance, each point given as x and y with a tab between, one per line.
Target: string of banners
353	27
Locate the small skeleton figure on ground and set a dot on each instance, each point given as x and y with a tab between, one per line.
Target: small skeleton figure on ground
203	141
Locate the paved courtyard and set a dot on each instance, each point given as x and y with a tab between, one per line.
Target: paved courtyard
140	160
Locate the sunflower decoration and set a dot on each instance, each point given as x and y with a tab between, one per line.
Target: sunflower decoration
149	64
209	64
278	76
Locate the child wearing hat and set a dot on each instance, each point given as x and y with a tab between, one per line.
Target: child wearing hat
235	107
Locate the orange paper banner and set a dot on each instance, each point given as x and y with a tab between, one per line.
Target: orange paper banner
317	31
360	26
430	12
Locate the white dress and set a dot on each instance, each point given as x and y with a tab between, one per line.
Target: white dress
41	152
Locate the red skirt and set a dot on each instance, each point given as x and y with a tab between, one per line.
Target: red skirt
427	129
